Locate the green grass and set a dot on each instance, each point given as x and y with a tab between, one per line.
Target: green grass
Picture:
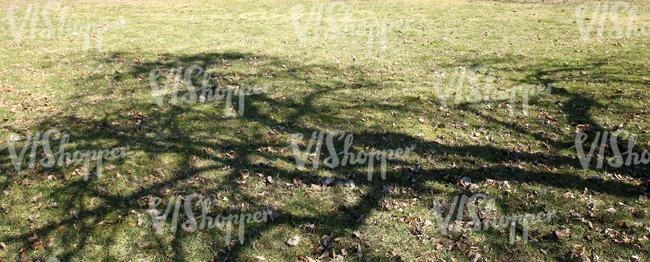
383	96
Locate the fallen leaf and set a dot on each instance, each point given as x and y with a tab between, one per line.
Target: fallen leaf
26	182
244	174
324	255
32	237
109	168
293	241
35	198
562	233
583	128
37	245
36	207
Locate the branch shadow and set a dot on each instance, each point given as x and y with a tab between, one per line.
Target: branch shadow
150	132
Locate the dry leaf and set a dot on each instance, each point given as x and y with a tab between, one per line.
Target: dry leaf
32	237
109	168
244	174
562	233
37	245
36	207
583	128
324	255
34	199
293	241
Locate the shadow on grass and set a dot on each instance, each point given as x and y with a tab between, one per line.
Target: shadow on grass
256	144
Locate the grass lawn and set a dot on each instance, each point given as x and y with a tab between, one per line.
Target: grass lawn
389	74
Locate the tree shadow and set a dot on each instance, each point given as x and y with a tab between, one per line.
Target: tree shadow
184	129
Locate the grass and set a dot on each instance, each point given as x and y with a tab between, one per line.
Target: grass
380	91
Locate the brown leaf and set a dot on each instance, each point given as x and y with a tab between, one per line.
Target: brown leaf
32	237
36	207
359	234
26	182
35	198
316	187
324	255
583	128
37	245
109	168
244	174
293	241
562	233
